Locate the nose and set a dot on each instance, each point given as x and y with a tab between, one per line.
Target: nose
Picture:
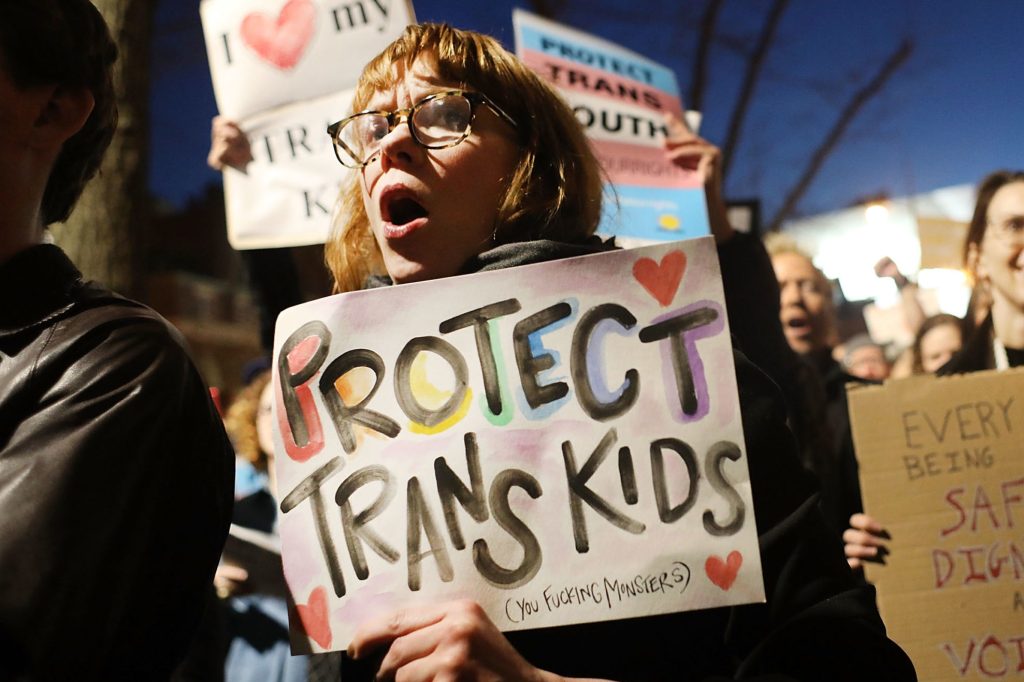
789	294
398	146
1019	260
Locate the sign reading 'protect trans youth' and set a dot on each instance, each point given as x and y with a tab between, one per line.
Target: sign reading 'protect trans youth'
621	99
561	442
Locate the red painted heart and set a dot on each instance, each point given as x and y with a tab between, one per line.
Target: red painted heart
281	41
313	617
661	279
723	573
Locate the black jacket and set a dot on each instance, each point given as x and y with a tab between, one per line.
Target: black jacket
116	481
813	387
818	623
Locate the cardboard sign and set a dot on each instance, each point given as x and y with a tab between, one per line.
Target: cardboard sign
941	469
620	98
942	242
561	442
284	70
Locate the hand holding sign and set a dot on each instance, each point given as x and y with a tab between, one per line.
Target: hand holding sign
229	146
689	151
441	641
865	540
541	455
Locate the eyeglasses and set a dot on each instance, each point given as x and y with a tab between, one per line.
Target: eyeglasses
1009	231
437	121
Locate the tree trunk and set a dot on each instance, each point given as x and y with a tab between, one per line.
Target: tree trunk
105	234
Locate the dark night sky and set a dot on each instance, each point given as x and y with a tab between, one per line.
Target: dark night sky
951	114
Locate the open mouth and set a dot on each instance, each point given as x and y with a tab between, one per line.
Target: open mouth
797	325
402	210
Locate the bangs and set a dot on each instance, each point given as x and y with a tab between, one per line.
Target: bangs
465	60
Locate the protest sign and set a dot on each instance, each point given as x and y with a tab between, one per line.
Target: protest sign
940	467
942	242
265	53
283	70
621	99
288	192
561	442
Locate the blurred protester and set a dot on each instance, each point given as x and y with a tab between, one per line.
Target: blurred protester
939	339
115	473
252	586
807	311
913	313
994	255
865	359
807	314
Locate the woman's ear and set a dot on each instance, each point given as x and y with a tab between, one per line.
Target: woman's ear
62	113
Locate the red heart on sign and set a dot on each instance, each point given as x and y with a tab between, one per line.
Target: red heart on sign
661	279
723	573
281	41
313	617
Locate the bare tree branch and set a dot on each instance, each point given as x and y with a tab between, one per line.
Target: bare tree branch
695	100
856	103
739	112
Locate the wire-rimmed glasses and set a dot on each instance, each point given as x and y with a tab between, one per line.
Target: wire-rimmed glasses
437	121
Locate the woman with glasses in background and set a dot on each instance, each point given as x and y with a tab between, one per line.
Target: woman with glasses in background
994	255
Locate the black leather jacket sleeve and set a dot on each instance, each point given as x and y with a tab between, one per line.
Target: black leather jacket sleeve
115	494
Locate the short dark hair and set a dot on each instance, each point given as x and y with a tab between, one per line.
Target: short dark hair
64	43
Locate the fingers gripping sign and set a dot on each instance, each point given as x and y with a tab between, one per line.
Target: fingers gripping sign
450	640
229	145
865	540
688	150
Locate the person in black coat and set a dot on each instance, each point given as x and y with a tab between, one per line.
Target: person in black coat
115	471
466	161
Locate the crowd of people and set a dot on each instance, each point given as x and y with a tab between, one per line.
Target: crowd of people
118	482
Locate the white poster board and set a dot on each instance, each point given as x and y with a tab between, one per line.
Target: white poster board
284	70
561	442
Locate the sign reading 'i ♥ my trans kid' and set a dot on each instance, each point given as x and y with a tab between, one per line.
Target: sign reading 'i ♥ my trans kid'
283	70
561	442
